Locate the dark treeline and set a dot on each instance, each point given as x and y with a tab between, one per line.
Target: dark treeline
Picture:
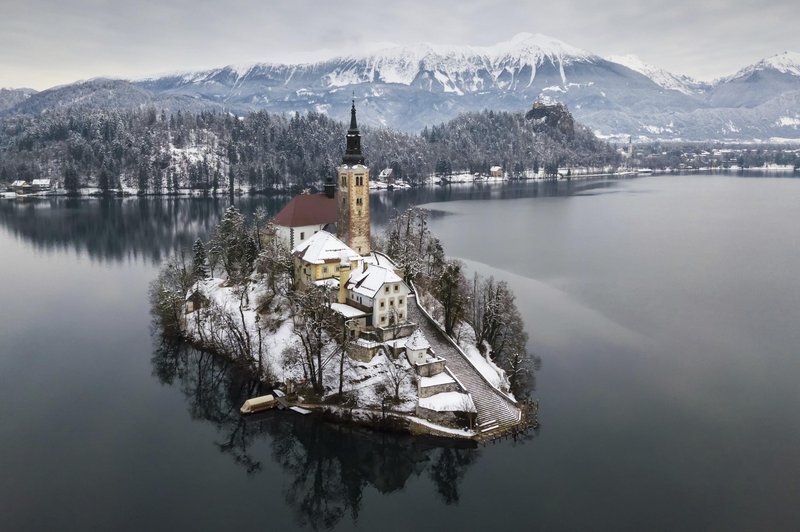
152	150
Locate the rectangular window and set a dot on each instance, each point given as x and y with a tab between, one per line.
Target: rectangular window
383	319
396	288
383	303
391	302
399	300
324	269
302	236
387	289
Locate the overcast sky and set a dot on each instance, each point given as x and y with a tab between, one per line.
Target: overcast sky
50	42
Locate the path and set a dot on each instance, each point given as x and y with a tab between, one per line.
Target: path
496	413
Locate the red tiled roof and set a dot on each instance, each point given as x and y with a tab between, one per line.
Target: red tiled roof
307	209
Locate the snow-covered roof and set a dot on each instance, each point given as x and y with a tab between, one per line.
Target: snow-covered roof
347	311
496	168
41	182
332	283
448	402
19	183
436	380
417	341
368	282
324	247
380	259
397	343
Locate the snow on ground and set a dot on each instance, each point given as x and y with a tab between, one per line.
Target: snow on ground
484	364
440	378
448	402
370	381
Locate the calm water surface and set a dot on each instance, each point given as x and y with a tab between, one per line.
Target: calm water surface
666	311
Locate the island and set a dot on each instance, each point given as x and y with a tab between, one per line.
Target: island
384	332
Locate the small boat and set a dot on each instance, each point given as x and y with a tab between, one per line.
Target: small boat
257	404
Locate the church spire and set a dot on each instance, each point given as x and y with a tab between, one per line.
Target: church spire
353	124
352	154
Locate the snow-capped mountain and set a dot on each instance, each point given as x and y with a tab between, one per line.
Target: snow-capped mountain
785	63
661	77
409	87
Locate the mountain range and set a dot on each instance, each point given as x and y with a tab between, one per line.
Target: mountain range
409	87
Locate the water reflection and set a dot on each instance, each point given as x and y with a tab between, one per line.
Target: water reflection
327	467
152	228
119	229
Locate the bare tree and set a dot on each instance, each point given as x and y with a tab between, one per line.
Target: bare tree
398	371
315	324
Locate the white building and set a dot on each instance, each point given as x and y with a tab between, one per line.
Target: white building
381	290
305	215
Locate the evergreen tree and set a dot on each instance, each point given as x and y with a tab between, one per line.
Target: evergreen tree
71	181
103	181
199	268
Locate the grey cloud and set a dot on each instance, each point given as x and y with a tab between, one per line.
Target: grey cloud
47	42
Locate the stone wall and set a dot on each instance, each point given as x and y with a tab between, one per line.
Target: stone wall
362	353
430	369
438	388
390	333
451	419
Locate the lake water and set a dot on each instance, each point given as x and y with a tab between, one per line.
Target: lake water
666	311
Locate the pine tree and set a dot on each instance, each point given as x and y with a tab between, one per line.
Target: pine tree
103	181
199	268
71	181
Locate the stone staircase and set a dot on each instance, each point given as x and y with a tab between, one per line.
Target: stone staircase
497	413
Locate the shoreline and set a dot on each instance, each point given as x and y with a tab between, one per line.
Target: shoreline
94	193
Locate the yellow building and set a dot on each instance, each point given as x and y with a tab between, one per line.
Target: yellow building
318	259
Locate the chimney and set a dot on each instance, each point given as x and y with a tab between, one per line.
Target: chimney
329	188
344	276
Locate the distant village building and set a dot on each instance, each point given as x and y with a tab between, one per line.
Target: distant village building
41	185
496	171
387	176
21	187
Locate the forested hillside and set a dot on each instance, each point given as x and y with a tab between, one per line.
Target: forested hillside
152	150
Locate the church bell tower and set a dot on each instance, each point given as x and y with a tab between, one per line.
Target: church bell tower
352	226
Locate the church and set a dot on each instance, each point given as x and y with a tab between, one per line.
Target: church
370	293
342	208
